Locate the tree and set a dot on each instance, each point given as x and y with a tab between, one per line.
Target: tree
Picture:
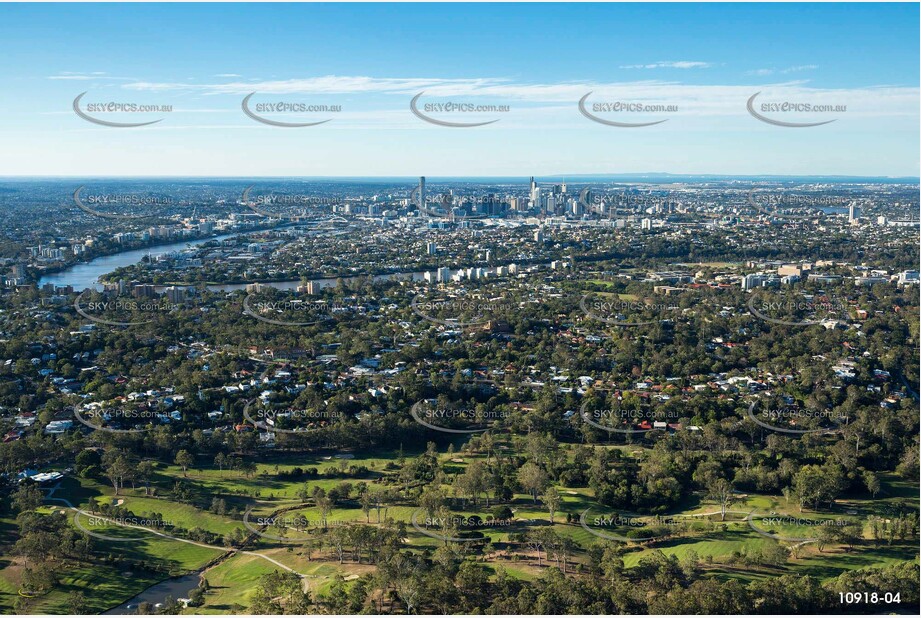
814	485
871	480
27	497
40	579
248	468
324	505
184	460
337	597
339	539
432	500
825	535
533	479
196	597
365	501
220	460
720	490
551	499
76	602
280	593
144	472
473	481
540	539
118	469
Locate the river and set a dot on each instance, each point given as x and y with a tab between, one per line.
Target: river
86	274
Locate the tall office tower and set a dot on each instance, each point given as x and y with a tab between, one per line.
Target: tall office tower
431	248
533	192
496	207
563	188
853	212
421	192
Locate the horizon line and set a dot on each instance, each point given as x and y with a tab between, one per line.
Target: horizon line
415	176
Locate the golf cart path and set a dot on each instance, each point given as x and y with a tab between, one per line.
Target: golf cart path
171	537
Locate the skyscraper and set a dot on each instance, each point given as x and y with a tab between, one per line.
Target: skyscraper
421	192
853	212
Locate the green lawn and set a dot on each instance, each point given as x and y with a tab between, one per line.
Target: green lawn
717	544
104	587
232	582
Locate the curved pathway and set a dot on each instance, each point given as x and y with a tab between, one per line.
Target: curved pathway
174	538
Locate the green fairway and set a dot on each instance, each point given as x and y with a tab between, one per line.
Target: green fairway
231	583
110	585
720	545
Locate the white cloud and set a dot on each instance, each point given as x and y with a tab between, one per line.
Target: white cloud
80	76
802	67
694	99
793	69
71	77
664	64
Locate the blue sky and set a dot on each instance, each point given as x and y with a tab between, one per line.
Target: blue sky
698	64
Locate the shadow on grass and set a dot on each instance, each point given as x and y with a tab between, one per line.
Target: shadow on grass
831	563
